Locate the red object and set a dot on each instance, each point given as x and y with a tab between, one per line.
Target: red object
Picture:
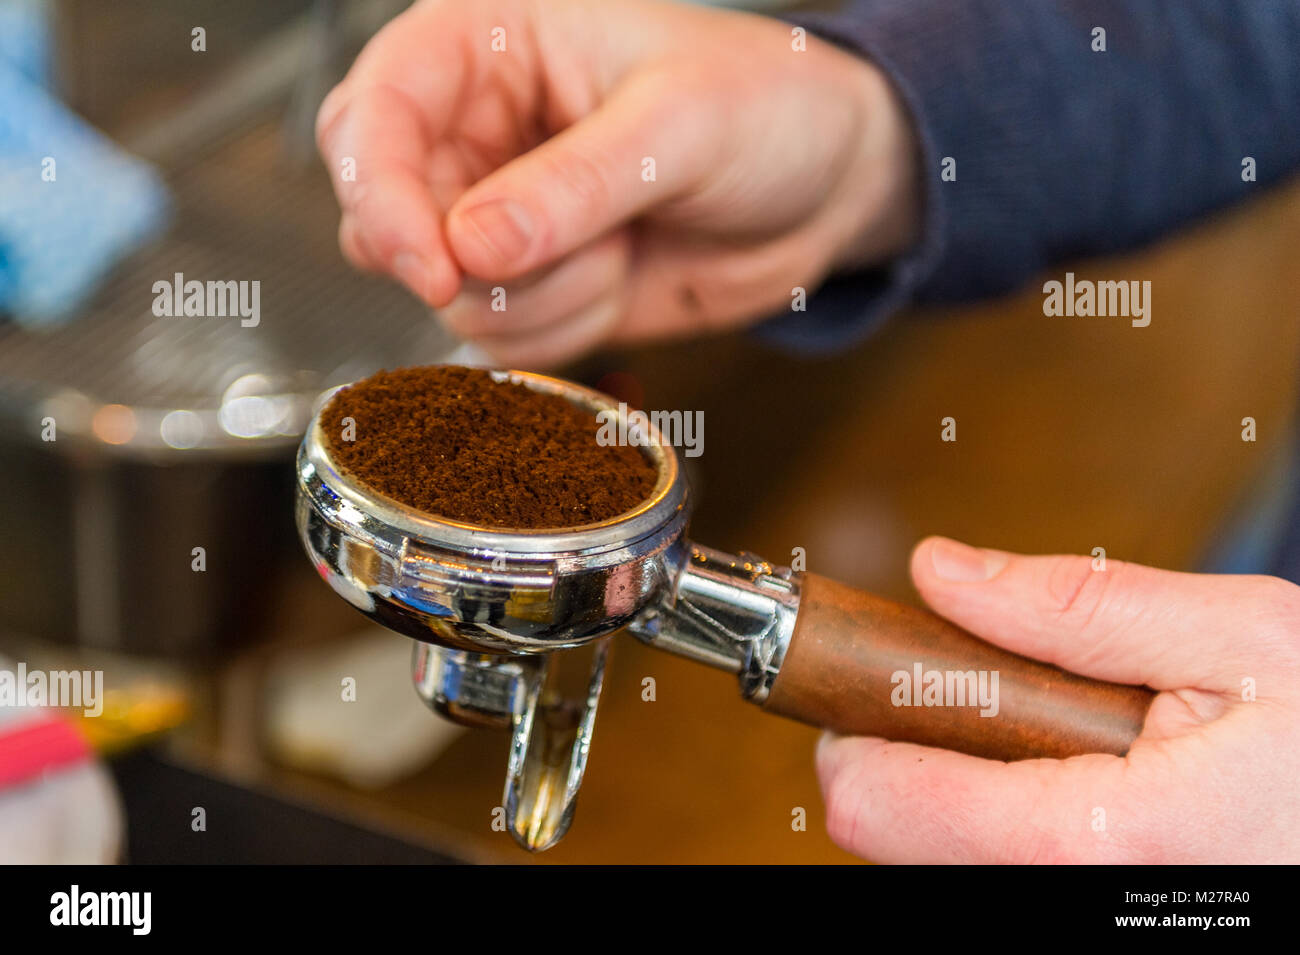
29	749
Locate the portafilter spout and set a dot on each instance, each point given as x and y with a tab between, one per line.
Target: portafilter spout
498	613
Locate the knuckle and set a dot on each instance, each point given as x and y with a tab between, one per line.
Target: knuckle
583	179
1078	592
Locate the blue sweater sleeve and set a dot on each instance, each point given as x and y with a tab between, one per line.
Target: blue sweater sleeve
1061	151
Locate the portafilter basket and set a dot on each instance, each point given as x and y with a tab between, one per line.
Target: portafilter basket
490	607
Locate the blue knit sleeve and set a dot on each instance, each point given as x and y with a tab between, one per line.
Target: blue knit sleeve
1061	149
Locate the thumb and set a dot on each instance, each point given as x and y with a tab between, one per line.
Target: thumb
639	148
1106	619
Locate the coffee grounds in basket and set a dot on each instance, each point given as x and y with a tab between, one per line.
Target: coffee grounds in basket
455	443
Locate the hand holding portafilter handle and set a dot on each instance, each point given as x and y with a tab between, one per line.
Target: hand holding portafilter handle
820	652
839	669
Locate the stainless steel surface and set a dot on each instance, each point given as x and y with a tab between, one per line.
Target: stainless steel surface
474	689
550	735
549	745
490	608
101	551
490	590
733	612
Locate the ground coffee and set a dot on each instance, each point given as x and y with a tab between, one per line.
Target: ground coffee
455	443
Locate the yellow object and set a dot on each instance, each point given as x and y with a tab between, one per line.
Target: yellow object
133	716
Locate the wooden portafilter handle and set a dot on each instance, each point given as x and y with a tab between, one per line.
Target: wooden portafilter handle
843	670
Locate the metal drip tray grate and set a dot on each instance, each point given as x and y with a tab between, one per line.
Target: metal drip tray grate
242	213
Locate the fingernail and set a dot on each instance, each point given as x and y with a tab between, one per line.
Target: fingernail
961	563
413	273
504	226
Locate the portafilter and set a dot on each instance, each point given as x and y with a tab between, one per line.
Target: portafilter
490	608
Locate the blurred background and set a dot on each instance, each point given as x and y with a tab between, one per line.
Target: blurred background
222	685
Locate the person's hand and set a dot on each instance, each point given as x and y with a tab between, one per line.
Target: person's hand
1211	778
461	168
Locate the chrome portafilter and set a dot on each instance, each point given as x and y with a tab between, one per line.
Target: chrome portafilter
490	609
